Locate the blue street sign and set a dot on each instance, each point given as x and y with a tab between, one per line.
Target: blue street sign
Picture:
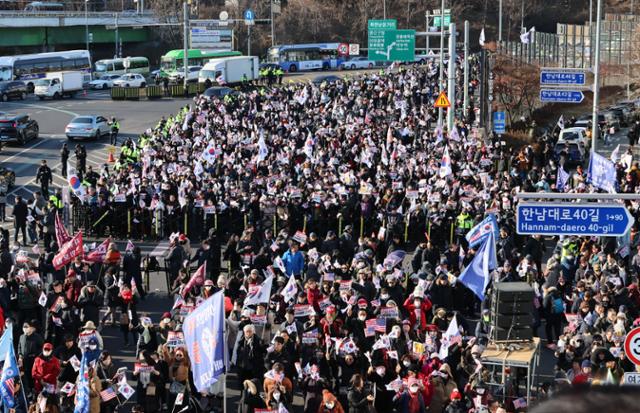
559	77
561	96
249	15
499	123
573	219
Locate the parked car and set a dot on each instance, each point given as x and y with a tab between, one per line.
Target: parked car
219	92
18	128
13	89
359	62
326	79
87	127
130	80
104	82
193	72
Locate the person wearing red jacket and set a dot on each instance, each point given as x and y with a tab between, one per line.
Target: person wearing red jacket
418	307
313	294
72	287
46	368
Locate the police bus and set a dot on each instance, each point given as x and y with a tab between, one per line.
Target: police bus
310	56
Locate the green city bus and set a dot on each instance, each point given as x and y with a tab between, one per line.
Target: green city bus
174	59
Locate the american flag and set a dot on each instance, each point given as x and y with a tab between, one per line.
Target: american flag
10	385
108	394
378	324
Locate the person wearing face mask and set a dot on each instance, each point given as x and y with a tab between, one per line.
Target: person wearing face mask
179	368
292	326
45	370
250	400
329	403
64	353
106	370
411	399
29	346
278	388
380	376
417	306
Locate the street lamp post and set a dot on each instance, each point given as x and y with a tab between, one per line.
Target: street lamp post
596	80
86	23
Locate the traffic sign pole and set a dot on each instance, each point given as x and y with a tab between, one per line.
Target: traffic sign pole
632	342
441	78
465	101
451	110
596	80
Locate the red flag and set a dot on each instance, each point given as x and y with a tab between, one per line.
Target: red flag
196	279
99	253
62	236
68	252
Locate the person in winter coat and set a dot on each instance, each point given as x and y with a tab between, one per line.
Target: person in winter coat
46	369
329	403
312	386
29	346
443	385
250	399
418	319
278	388
411	400
90	301
248	354
360	401
457	404
64	353
95	387
131	268
72	287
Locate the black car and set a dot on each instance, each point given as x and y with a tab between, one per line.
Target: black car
17	128
326	79
219	92
14	89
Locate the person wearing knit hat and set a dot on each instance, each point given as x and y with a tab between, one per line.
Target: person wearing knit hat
330	403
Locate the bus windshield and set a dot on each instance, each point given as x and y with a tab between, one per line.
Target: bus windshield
5	73
102	67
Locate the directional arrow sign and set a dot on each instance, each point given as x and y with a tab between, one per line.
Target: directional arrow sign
559	77
561	96
573	219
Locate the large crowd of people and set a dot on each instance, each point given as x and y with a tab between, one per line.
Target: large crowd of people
317	191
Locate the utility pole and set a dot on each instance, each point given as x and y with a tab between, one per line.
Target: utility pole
522	16
117	37
273	36
451	111
465	104
384	9
596	81
441	75
86	23
590	32
249	40
426	29
500	22
185	60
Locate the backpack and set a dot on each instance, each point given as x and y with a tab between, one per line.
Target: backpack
557	306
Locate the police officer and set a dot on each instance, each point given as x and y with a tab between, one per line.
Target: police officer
81	160
280	74
64	157
115	128
45	177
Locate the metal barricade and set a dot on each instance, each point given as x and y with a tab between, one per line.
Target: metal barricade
154	92
118	93
132	93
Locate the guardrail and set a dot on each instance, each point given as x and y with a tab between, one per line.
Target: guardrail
75	13
152	92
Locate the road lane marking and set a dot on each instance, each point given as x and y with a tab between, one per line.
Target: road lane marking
38	143
31	105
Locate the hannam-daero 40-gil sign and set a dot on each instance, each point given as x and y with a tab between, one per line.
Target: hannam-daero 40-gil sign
539	218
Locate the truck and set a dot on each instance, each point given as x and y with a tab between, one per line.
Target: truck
230	70
58	84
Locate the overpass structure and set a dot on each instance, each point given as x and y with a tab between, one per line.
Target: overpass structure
20	28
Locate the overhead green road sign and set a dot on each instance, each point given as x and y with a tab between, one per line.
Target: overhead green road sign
376	30
437	16
399	45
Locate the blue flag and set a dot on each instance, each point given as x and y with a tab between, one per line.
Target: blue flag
82	388
10	373
204	337
6	342
601	173
480	232
562	179
476	275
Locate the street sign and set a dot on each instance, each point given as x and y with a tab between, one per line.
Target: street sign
275	7
249	17
499	123
437	16
589	219
399	45
561	96
631	378
375	38
354	49
442	101
632	346
560	77
343	49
